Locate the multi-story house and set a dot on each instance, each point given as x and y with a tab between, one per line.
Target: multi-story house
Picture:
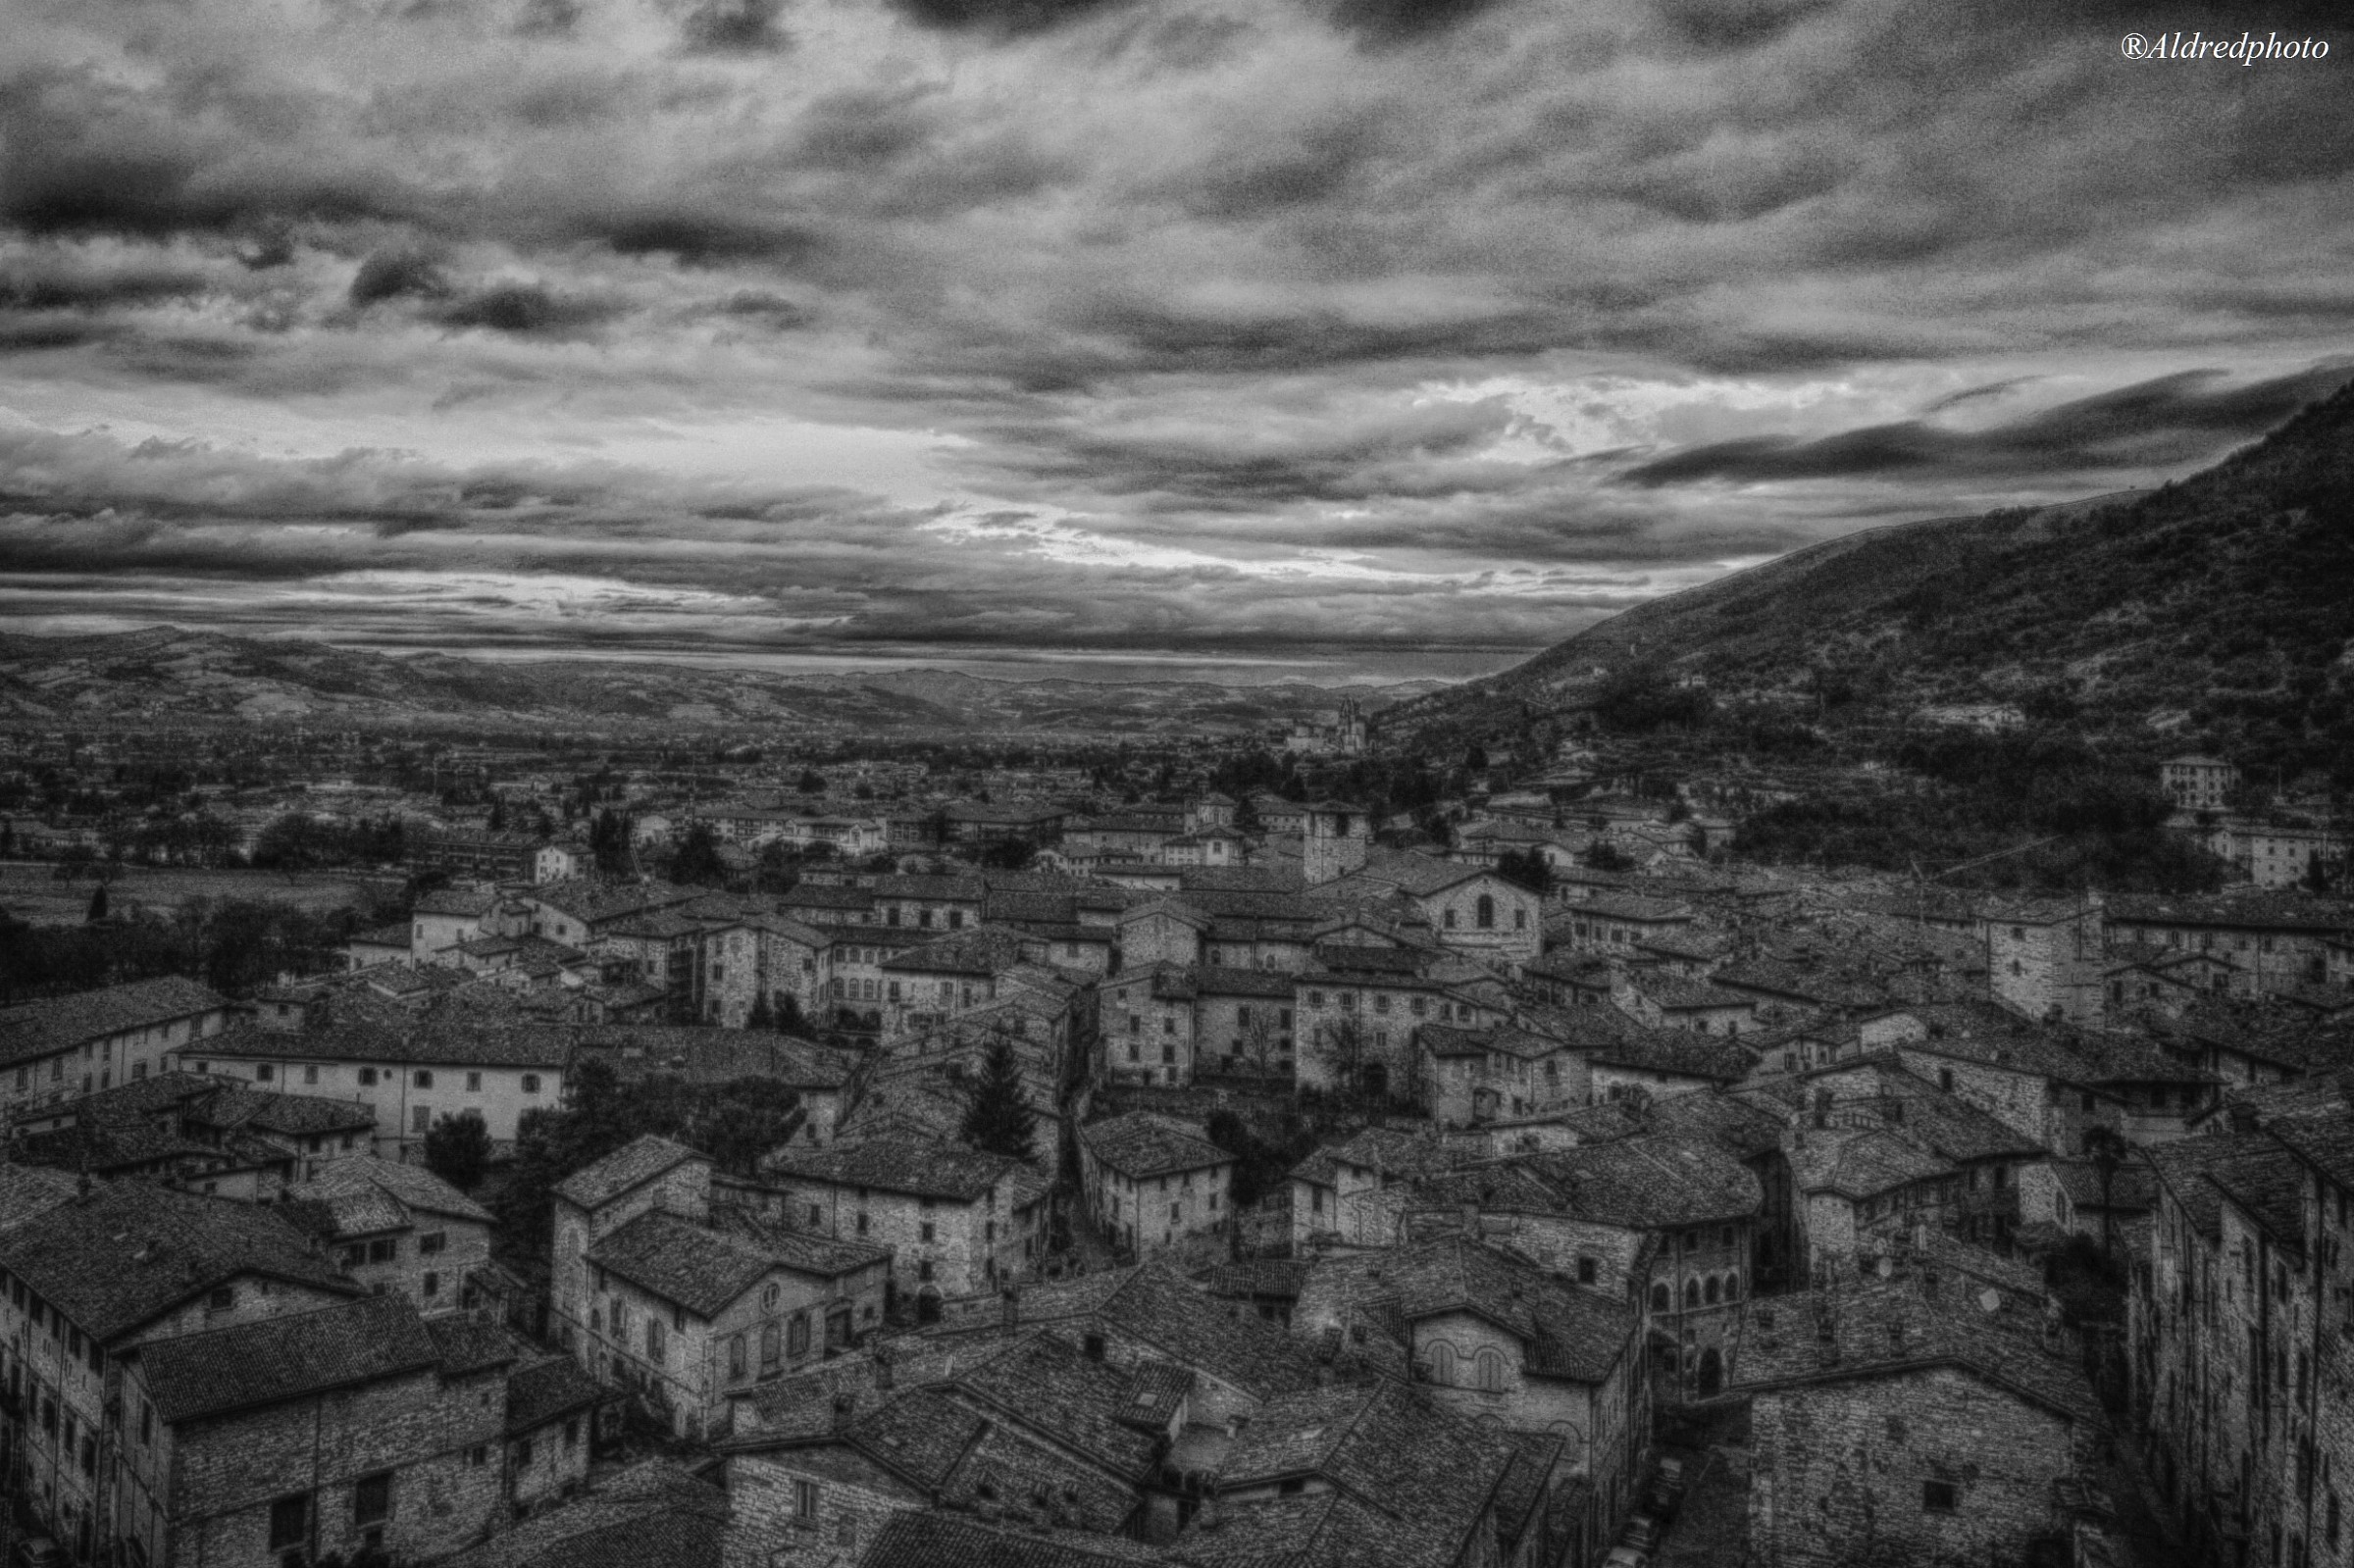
930	983
1336	1190
2198	783
1499	1340
820	1076
449	916
1980	1425
1666	1221
310	1433
957	1221
96	1276
1359	1007
2276	939
1152	1182
681	1292
2238	1338
410	1070
1469	908
64	1047
1472	1077
397	1228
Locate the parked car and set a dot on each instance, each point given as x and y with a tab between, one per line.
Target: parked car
1641	1533
1626	1558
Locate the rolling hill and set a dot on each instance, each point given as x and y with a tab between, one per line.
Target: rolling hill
164	676
2215	611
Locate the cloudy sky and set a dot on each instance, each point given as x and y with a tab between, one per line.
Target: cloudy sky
1331	335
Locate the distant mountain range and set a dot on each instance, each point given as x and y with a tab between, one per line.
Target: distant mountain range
2216	610
163	676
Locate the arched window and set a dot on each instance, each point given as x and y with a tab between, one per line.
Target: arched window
1487	911
1732	1286
735	1357
1490	1366
1449	919
1660	1300
1442	1363
1691	1293
1712	1290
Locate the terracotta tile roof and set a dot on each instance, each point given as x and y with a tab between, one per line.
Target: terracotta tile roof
129	1251
700	1268
636	1162
1565	1332
1154	1303
652	1513
719	1055
1883	1328
363	1179
899	1165
1141	1145
549	1390
933	1539
43	1027
1657	1181
196	1376
1858	1163
469	1342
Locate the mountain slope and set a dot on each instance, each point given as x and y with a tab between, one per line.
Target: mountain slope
165	676
2216	610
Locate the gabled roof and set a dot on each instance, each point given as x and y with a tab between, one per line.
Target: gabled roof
129	1251
1879	1329
900	1165
1154	1303
631	1165
58	1023
194	1377
700	1268
1141	1145
1565	1332
357	1189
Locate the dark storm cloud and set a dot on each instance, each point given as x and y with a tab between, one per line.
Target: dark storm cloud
2174	419
1010	16
1322	318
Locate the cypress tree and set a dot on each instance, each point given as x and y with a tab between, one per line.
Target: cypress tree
998	1118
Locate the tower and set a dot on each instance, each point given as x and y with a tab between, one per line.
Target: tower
1333	842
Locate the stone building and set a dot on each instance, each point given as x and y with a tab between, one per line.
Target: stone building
2197	782
397	1228
1666	1221
1152	1182
311	1433
92	1277
1336	1190
682	1294
1334	839
411	1069
2239	1333
2045	959
1498	1340
63	1047
958	1222
1919	1419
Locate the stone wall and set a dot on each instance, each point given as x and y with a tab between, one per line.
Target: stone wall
1843	1473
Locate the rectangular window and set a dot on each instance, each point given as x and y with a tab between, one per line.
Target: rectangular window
289	1522
797	1336
431	1242
421	1119
310	1074
1939	1496
367	1077
425	1077
474	1083
383	1252
265	1072
372	1499
804	1504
